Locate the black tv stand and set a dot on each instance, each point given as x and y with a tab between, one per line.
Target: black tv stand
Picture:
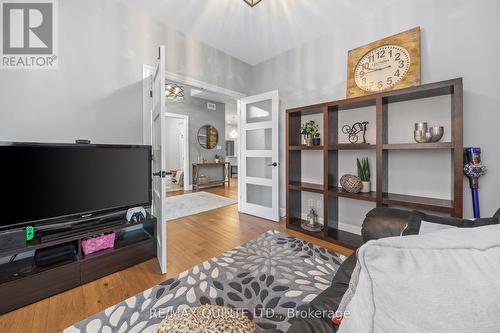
22	282
54	234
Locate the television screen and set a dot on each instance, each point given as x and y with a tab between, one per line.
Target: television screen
46	181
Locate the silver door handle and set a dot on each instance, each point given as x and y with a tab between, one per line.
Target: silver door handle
274	164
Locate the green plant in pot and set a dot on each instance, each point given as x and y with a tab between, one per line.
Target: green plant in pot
217	158
316	139
309	132
364	174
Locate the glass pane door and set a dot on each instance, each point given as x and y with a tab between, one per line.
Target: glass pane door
259	180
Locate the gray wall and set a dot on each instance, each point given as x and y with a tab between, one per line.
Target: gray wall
97	91
459	39
199	115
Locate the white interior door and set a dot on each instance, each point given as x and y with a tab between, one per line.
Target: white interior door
259	165
158	137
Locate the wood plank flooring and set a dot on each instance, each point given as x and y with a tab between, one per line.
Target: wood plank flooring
191	240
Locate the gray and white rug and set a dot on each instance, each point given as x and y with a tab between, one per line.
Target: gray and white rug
194	203
270	278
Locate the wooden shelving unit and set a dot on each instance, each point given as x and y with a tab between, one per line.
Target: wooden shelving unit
306	148
331	148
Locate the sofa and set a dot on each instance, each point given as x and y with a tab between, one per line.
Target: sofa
379	223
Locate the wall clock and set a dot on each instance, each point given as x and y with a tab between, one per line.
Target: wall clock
389	63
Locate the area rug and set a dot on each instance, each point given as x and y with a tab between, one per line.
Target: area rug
194	203
271	277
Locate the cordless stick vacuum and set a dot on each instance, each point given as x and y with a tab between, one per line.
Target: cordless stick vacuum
473	169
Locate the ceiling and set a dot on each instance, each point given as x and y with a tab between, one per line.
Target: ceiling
256	34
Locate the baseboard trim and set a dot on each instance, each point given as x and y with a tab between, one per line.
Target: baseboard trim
353	229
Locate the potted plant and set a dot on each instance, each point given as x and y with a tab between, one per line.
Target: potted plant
364	174
309	130
217	158
316	139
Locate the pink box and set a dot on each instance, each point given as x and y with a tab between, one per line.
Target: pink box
98	243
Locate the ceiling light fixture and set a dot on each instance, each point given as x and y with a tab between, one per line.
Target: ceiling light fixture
174	92
252	3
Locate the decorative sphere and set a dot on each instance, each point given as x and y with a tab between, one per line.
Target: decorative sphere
351	183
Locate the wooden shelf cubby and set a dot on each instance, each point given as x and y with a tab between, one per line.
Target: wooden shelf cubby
331	149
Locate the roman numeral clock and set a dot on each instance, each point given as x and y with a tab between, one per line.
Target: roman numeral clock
387	64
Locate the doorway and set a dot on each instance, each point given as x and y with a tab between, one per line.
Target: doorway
177	152
256	159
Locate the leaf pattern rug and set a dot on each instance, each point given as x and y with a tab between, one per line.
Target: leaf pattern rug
268	278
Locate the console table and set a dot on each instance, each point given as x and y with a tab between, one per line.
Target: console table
200	181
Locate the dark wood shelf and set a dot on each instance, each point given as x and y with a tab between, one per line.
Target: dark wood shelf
295	225
416	202
423	91
353	103
340	192
308	187
340	237
417	146
135	237
26	267
352	146
379	104
307	110
305	148
345	238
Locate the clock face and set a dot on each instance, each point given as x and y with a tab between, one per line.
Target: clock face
382	68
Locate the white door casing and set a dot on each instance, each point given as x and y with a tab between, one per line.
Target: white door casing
258	184
158	137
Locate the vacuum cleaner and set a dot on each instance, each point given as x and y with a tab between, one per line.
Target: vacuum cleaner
473	169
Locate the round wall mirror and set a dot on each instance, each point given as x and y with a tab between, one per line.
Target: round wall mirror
208	137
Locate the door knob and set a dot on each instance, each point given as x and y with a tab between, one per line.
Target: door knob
274	164
161	174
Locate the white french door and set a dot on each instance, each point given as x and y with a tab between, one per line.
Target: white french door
258	183
158	137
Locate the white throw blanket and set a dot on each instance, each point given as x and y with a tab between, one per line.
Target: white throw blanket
445	281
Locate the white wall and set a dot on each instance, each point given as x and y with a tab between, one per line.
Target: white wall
174	130
97	91
459	39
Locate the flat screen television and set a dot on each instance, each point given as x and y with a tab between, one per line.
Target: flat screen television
43	183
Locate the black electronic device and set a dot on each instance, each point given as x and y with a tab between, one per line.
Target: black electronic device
12	239
51	184
55	254
137	217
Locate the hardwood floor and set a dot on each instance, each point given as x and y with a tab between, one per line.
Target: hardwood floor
223	229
